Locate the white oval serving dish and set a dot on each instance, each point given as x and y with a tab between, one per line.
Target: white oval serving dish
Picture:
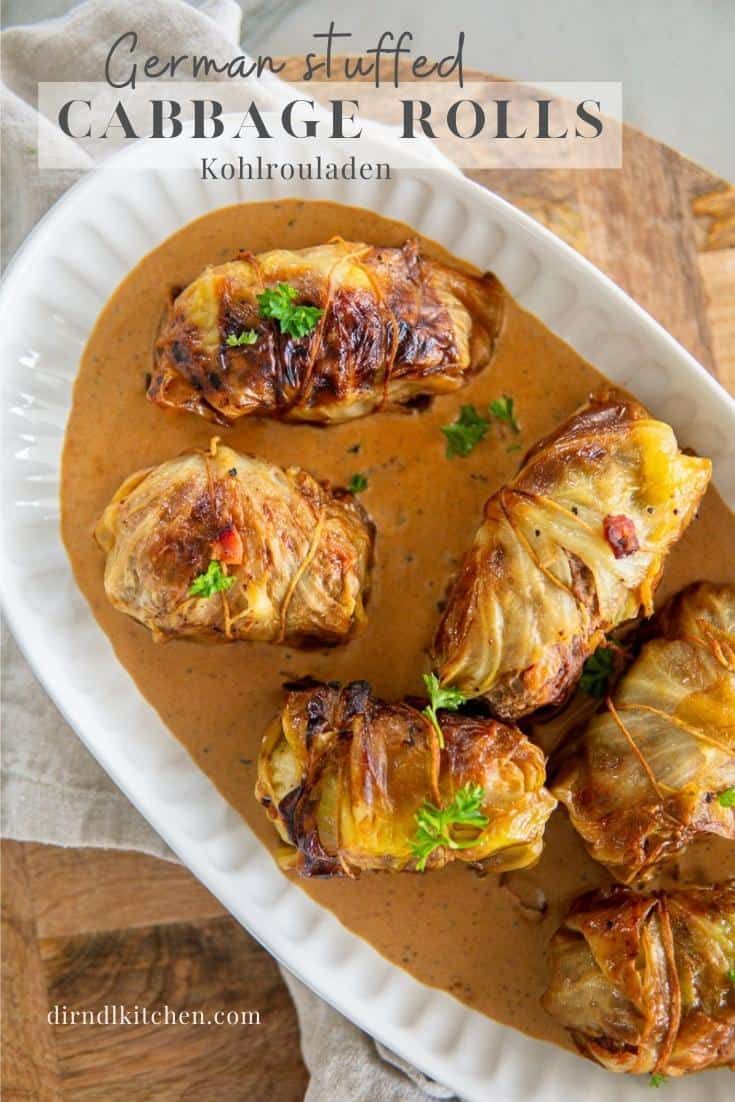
50	299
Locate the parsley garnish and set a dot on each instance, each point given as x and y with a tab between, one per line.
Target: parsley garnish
450	699
466	432
278	303
435	823
248	336
357	484
597	671
731	975
657	1079
502	408
727	798
214	581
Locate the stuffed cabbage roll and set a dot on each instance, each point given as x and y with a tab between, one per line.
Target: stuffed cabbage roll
572	547
220	546
324	334
656	769
353	783
646	984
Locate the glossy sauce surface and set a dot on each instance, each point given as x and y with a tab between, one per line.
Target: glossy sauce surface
454	929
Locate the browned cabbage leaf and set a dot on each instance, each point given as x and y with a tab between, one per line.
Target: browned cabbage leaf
299	552
572	547
645	778
342	776
646	983
396	326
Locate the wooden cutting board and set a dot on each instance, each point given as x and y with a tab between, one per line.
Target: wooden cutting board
86	928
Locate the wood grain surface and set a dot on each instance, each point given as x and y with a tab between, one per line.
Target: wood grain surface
85	928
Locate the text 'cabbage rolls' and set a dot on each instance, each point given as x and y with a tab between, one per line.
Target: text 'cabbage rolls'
354	783
646	984
221	546
324	334
572	547
657	768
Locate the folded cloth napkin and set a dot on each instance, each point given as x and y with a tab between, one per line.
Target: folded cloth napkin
52	789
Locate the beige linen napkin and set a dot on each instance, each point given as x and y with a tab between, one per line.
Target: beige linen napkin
52	789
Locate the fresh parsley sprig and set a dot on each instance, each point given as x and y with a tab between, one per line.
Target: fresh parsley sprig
435	824
248	336
731	975
279	303
466	432
657	1079
471	427
449	699
357	483
727	799
597	671
213	581
502	408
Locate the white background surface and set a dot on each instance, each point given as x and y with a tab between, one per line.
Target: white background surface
675	58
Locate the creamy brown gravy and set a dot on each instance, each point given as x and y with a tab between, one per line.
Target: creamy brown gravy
451	929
